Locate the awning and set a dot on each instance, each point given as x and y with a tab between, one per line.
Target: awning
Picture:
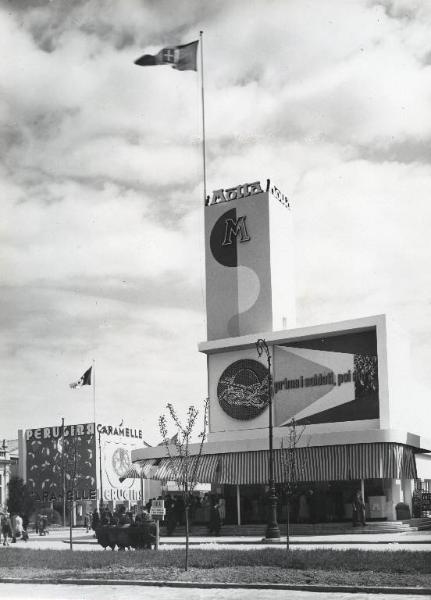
165	469
142	468
316	463
322	463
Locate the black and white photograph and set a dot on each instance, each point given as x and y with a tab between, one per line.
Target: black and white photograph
215	299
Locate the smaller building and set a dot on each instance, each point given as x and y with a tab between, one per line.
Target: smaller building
82	463
5	465
8	467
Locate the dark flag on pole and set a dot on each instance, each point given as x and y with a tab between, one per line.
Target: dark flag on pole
182	58
84	380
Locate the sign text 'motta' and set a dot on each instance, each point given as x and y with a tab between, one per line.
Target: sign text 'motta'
234	193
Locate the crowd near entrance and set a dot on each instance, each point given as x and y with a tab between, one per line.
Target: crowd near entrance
314	502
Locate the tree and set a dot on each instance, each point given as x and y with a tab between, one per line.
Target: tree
292	468
20	501
183	464
69	468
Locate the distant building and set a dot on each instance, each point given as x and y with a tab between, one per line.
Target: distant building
84	464
8	467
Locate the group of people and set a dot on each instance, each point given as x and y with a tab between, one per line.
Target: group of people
12	527
120	516
210	509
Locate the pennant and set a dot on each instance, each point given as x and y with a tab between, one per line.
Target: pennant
182	58
84	380
172	440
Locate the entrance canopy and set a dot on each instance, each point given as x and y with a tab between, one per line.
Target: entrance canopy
317	463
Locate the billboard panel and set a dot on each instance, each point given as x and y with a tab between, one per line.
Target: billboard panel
116	445
49	454
328	379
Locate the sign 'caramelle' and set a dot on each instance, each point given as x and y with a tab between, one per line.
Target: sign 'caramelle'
46	433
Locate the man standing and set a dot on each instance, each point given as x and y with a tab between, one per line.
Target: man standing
6	528
16	522
358	510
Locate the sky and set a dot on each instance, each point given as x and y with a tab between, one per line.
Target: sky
101	232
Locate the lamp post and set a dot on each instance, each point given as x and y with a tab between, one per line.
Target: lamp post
272	530
100	476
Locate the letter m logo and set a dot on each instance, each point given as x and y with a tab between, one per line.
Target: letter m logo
236	228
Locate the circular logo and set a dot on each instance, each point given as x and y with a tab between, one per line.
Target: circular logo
242	389
120	461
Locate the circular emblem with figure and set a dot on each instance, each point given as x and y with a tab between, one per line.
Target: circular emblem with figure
242	389
120	461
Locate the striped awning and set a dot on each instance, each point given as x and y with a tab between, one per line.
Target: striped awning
167	469
317	463
321	463
142	468
204	468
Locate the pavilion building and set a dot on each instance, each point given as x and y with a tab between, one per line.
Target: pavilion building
348	387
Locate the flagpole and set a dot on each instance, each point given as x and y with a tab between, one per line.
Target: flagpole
94	391
203	117
63	473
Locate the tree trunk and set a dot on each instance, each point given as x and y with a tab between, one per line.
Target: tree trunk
288	526
187	537
70	524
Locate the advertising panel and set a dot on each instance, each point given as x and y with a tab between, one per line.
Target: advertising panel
319	380
116	445
49	454
327	380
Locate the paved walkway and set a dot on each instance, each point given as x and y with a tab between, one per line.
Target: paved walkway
412	541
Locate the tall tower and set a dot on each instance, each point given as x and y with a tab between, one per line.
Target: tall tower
249	261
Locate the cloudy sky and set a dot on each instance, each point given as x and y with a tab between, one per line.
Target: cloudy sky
101	236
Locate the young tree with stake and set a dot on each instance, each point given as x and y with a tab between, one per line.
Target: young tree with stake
184	465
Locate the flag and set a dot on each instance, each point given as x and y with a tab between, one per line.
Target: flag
85	380
172	440
182	58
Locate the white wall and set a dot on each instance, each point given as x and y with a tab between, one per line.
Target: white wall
409	406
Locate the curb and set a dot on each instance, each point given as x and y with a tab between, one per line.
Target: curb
219	585
277	543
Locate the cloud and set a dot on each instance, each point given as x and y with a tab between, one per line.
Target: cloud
101	180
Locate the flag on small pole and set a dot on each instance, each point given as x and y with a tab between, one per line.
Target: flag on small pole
84	380
182	57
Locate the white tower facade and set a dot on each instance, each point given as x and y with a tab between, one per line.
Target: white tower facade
249	261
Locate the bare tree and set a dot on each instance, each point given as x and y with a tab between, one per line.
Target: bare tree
70	467
183	464
292	468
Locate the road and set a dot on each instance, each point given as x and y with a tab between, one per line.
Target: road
127	592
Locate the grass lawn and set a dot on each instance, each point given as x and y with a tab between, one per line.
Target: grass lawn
268	565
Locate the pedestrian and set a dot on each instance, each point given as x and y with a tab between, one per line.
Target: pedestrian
6	528
95	519
180	509
206	509
171	518
222	510
215	521
17	529
358	509
303	510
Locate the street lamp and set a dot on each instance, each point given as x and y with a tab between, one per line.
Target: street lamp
272	530
100	476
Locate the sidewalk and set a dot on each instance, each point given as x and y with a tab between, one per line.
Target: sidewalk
415	540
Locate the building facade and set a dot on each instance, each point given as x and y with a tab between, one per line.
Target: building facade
345	388
84	463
